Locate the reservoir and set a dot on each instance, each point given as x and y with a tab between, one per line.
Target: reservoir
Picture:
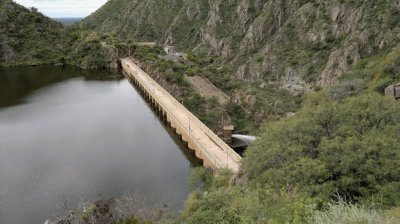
69	136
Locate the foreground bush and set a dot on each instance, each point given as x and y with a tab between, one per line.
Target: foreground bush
350	148
342	213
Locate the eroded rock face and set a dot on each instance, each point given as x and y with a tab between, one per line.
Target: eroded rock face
297	43
193	10
339	62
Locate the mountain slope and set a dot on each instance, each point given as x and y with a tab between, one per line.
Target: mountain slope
145	20
297	43
28	37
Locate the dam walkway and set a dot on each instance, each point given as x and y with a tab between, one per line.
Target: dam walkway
214	152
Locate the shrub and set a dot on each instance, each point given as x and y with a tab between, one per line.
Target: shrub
349	148
342	213
346	88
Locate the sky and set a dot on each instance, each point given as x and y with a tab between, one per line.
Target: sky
64	8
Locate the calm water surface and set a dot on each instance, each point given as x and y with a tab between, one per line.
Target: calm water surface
68	135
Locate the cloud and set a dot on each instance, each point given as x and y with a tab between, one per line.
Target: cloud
64	8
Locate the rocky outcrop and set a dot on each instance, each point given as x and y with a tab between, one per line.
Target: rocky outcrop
297	43
339	62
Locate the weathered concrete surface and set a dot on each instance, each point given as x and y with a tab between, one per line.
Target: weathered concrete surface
215	153
206	89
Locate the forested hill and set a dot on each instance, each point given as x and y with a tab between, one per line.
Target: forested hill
28	37
299	43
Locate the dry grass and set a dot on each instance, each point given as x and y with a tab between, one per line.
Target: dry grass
343	213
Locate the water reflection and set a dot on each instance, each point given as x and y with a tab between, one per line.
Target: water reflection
15	83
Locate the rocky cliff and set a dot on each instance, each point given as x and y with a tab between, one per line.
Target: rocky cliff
298	43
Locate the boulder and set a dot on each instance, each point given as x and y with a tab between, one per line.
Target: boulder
113	65
393	91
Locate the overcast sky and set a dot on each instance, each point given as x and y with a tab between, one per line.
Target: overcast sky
64	8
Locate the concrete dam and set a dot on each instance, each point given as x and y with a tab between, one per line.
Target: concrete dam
214	152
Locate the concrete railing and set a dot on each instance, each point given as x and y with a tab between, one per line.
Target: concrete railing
197	144
152	87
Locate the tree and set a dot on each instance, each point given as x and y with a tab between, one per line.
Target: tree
350	148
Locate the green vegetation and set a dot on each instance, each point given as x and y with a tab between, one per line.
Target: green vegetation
272	40
336	161
343	144
208	110
253	102
377	72
89	49
116	16
27	37
342	212
349	148
135	221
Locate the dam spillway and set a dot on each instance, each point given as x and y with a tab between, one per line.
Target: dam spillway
214	152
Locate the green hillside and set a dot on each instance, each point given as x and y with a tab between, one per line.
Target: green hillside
335	159
297	43
287	47
27	37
